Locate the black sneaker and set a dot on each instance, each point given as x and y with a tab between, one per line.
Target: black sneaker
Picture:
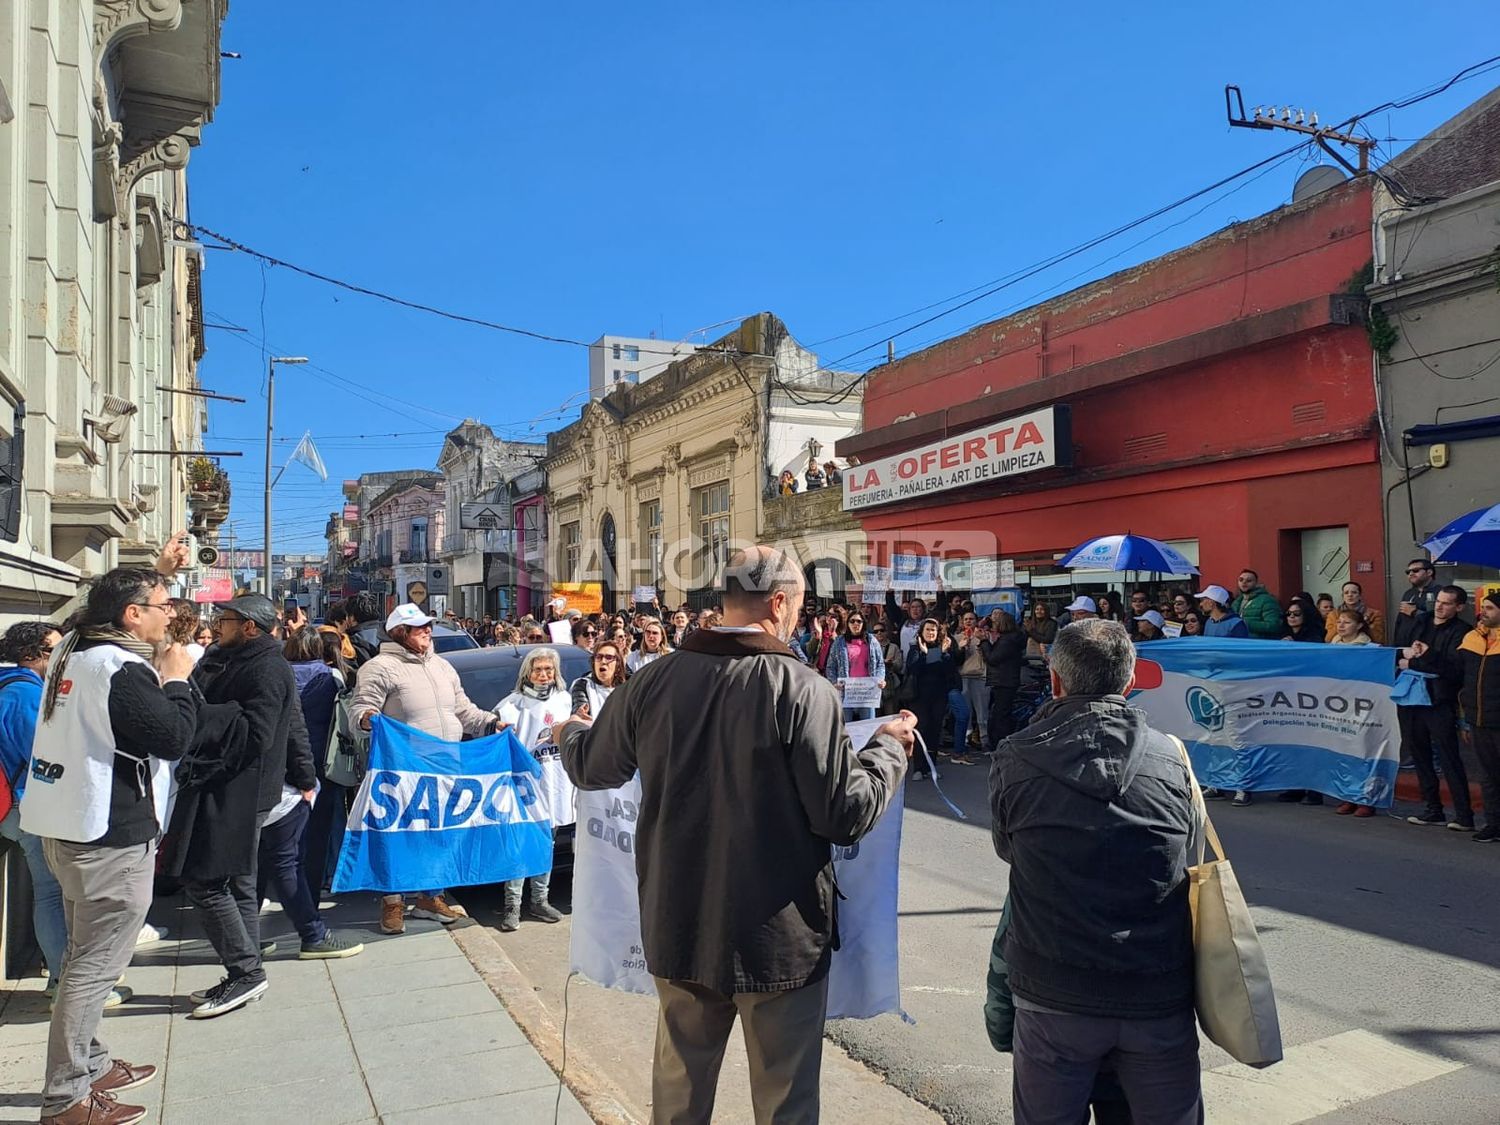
1461	825
332	946
235	994
1490	834
208	993
1431	819
1212	794
1313	799
1241	799
543	912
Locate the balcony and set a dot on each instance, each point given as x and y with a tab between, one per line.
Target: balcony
410	556
821	509
378	562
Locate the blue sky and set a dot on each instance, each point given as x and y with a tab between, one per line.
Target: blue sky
660	167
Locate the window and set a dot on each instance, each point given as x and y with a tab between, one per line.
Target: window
651	537
617	374
572	547
417	543
632	354
711	504
617	354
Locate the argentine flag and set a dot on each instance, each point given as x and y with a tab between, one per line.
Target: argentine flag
1262	715
432	814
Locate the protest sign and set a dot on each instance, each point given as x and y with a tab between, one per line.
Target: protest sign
431	813
561	632
643	595
1277	715
877	583
606	946
862	691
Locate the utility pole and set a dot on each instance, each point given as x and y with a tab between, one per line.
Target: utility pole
1269	117
270	423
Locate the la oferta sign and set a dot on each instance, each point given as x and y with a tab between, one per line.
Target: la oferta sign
1042	439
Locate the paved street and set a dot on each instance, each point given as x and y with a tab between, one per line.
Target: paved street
1382	939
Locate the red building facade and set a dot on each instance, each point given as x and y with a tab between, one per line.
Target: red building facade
1220	396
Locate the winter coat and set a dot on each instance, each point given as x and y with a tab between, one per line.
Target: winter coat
1480	695
1042	632
1094	812
421	691
1004	653
318	690
589	692
1443	660
20	702
838	659
1407	628
214	818
931	680
1227	626
747	777
1261	613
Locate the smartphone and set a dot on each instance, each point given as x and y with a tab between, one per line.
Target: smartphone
289	606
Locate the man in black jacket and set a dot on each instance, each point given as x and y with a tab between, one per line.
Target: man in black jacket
222	820
1433	731
747	777
1094	812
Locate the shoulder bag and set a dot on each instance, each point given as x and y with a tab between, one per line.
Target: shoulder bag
1233	995
348	751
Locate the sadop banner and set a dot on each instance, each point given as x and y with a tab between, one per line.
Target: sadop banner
1262	715
431	813
864	976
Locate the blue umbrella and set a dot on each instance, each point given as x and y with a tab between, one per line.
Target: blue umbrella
1128	552
1472	538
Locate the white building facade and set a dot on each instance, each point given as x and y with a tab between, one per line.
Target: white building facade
618	360
101	323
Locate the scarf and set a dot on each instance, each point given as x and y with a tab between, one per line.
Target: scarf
538	691
91	635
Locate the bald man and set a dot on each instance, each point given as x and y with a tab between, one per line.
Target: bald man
747	777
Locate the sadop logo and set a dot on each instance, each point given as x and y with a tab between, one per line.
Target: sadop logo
1205	708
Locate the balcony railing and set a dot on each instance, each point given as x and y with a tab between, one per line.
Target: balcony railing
410	556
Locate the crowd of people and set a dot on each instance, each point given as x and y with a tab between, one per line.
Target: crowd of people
139	723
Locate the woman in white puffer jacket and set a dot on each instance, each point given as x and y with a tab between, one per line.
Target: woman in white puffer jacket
538	702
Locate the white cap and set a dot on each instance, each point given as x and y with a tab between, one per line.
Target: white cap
1152	616
1217	593
407	614
1082	604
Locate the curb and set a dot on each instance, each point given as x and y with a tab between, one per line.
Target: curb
1408	789
602	1100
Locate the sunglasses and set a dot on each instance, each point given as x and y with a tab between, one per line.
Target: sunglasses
1417	570
588	633
605	658
1295	613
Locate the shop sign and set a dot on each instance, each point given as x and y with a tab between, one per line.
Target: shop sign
1023	444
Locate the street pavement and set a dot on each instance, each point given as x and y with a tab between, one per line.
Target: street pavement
1383	941
406	1032
1381	938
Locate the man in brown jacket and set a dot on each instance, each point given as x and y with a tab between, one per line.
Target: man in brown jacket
747	777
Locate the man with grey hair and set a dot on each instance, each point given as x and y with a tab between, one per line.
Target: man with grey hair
1094	812
747	778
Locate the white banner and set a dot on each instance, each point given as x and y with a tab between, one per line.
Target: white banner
606	947
862	691
1023	444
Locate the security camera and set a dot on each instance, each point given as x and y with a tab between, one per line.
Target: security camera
208	556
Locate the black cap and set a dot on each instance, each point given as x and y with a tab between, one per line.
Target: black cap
254	607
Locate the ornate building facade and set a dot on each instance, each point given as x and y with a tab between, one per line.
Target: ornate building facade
101	316
654	483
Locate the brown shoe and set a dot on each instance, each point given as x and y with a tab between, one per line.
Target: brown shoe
97	1109
393	916
434	907
121	1075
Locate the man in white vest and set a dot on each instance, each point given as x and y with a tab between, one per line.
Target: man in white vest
116	708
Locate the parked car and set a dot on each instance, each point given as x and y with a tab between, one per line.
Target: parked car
445	638
489	675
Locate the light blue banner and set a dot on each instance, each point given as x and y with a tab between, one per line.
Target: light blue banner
432	814
1270	715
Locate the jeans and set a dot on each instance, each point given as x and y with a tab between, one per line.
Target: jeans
1058	1057
106	893
279	874
1433	732
230	911
318	839
960	708
540	884
977	695
47	915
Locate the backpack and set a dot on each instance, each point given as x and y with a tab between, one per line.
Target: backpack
348	752
7	782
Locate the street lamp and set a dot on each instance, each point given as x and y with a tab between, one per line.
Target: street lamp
270	420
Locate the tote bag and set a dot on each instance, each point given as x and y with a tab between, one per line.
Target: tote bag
1233	995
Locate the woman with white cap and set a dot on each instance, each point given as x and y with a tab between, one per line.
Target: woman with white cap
408	682
1149	626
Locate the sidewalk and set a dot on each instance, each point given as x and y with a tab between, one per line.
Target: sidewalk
404	1032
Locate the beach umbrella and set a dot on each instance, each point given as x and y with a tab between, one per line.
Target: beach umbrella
1472	538
1127	552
